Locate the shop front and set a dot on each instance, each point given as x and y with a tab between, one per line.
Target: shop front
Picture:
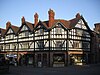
26	58
78	58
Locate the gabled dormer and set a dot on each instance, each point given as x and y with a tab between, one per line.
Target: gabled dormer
11	31
9	34
81	25
40	25
26	28
41	28
79	22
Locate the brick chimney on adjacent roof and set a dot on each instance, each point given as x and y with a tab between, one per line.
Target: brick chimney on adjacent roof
51	17
23	20
35	19
8	24
97	27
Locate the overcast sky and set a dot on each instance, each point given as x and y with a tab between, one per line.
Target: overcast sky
13	10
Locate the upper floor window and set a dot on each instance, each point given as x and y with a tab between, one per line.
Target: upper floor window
1	47
13	46
85	44
41	31
58	30
0	38
24	28
25	45
24	34
86	34
10	36
81	25
10	31
79	32
41	44
59	44
7	46
76	44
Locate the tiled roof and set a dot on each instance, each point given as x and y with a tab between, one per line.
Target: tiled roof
15	28
2	32
67	23
45	23
64	22
73	22
30	25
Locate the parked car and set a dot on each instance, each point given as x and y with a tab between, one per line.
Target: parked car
4	64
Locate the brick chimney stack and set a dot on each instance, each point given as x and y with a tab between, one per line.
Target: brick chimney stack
23	20
51	17
8	24
35	19
78	15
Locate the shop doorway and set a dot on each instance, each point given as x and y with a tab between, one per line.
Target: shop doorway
42	60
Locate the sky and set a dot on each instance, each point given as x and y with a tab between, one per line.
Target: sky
13	10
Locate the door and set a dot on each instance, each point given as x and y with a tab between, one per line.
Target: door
44	60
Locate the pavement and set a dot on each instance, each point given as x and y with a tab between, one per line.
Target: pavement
93	69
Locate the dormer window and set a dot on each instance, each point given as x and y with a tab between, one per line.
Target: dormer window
79	32
58	29
10	31
24	28
41	44
10	36
26	34
41	31
59	44
76	44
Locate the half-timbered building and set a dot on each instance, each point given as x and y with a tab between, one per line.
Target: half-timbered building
55	42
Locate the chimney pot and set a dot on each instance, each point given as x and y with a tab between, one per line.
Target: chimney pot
8	24
78	15
35	19
51	17
23	20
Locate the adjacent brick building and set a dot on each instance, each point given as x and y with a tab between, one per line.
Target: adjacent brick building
95	50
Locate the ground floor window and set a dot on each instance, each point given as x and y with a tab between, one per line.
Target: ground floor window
26	59
77	59
58	60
